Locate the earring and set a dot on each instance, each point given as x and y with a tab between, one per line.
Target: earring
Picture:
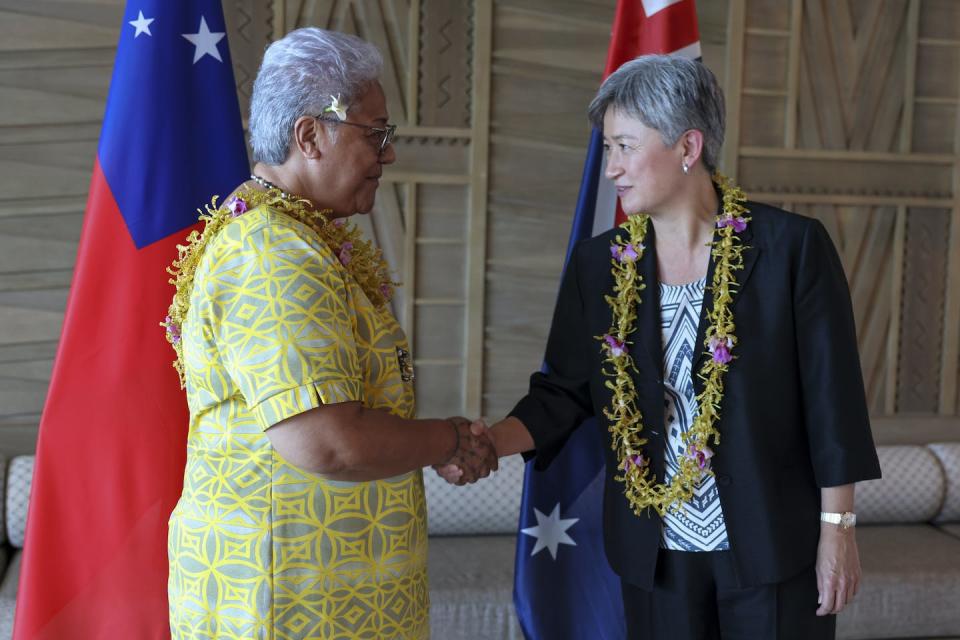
686	169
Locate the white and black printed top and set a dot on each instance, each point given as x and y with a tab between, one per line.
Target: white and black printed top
701	527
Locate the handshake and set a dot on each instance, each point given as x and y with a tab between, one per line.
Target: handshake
474	455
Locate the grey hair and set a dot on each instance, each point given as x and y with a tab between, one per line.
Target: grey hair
670	94
298	76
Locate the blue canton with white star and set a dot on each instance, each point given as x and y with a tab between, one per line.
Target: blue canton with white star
176	119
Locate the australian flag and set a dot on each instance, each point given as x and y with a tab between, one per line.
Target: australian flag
112	443
564	588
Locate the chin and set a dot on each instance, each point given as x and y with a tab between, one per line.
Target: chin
366	207
630	208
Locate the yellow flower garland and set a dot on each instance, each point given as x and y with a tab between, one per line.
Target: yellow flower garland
626	422
360	257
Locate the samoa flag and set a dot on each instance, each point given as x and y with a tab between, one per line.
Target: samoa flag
564	589
112	440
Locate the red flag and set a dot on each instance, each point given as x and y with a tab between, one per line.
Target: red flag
112	443
651	26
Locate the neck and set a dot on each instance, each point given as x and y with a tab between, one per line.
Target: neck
689	221
286	178
281	176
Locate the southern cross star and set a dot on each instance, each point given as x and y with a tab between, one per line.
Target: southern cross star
550	532
142	25
205	41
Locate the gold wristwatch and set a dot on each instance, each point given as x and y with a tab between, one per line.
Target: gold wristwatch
845	520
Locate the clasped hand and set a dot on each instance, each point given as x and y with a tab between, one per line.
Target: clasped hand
475	456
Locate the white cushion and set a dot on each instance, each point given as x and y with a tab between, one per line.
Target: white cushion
490	505
948	453
19	477
3	488
911	490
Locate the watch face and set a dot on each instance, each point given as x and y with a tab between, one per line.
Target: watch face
848	520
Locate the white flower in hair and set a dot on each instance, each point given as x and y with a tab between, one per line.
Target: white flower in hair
337	107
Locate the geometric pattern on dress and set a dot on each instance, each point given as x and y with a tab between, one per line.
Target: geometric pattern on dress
700	526
258	547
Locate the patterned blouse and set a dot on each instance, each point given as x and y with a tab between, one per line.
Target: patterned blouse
258	547
701	527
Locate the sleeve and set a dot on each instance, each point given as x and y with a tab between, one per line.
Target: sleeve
835	406
559	398
283	324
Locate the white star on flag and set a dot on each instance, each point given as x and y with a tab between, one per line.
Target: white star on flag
205	41
651	7
142	25
550	532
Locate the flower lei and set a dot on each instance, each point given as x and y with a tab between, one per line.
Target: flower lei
360	257
626	422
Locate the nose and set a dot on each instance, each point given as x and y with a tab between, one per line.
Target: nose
612	168
388	155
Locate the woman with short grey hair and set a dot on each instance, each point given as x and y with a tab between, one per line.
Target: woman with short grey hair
713	339
303	512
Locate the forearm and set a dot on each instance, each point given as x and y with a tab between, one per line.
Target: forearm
510	436
386	445
354	443
837	499
838	562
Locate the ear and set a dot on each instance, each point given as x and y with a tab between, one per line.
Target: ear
691	146
310	137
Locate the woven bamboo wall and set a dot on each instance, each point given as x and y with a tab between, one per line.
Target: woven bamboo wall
55	64
842	109
849	110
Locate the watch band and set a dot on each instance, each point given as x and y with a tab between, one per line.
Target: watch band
845	520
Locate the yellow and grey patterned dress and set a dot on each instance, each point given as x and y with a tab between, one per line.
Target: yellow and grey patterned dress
260	549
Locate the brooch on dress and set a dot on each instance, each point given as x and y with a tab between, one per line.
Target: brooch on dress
406	365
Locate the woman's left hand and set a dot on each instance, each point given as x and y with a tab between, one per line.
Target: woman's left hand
838	568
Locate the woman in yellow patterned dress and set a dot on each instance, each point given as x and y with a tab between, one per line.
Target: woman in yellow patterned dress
303	513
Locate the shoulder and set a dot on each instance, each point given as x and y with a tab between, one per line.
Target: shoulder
264	219
265	229
598	246
776	227
590	258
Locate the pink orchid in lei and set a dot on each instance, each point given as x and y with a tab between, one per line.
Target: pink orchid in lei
700	455
237	206
720	349
345	255
617	347
627	253
385	290
635	461
738	223
173	330
339	222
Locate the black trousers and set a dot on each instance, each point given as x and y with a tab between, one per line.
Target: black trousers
696	597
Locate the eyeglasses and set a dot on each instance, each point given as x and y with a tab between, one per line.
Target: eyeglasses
386	134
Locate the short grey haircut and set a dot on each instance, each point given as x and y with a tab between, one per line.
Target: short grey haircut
297	77
670	94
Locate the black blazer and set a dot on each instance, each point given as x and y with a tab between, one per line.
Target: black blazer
793	418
